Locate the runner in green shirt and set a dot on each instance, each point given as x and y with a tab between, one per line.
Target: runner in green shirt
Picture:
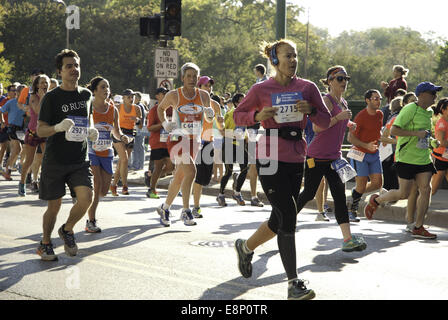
413	156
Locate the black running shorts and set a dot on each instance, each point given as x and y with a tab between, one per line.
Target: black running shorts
54	177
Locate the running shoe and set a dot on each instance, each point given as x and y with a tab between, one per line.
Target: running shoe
125	191
70	246
244	259
255	202
164	216
46	252
422	233
352	217
196	212
113	190
327	208
221	200
91	227
371	207
152	195
410	227
239	199
34	187
356	243
7	174
22	191
187	217
298	291
322	216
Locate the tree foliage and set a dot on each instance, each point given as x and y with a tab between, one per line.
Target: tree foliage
222	36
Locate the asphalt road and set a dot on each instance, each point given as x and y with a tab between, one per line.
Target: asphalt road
136	258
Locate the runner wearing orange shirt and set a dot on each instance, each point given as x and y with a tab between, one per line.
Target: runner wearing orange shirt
191	106
157	142
441	153
106	121
129	113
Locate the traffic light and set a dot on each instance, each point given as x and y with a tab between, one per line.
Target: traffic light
173	17
150	26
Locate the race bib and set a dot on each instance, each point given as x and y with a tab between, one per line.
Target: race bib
79	132
287	109
193	128
356	155
163	135
344	169
104	141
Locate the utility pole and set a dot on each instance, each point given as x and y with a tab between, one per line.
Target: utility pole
305	61
281	20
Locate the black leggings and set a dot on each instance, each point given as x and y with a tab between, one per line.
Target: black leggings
238	153
313	178
281	189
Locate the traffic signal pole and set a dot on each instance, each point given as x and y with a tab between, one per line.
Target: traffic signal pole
281	20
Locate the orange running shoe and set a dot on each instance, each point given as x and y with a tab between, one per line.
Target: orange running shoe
113	190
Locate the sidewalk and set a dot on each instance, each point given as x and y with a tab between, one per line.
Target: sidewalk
437	213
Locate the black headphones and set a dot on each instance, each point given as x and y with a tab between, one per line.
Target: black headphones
274	55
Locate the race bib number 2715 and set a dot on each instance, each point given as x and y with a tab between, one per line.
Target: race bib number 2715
287	110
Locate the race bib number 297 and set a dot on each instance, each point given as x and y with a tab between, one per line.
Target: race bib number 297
79	131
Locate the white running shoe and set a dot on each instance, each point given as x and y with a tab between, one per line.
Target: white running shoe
187	217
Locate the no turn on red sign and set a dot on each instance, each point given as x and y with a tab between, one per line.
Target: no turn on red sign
166	63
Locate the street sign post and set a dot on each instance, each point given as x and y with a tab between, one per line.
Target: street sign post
166	63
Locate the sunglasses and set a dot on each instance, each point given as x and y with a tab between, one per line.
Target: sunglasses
13	90
341	78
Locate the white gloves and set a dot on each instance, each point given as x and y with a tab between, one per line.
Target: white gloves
64	125
169	125
209	113
93	134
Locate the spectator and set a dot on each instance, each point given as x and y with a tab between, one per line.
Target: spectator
260	73
399	73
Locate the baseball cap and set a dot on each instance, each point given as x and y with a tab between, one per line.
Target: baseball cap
161	90
118	99
426	86
204	79
128	92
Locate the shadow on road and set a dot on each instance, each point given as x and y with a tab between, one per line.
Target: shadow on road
117	238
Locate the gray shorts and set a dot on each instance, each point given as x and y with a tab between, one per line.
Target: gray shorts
54	177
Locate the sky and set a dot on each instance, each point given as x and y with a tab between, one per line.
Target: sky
359	15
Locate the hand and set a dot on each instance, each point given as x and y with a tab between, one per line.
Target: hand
93	134
209	113
125	139
169	126
435	143
304	107
344	115
372	146
220	119
351	125
64	125
266	113
384	84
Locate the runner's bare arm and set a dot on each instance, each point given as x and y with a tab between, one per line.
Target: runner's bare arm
169	100
117	133
205	96
139	116
218	117
44	130
397	131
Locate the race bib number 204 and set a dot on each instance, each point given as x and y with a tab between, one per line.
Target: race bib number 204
287	108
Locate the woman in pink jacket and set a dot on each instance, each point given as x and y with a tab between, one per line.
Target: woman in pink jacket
282	104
